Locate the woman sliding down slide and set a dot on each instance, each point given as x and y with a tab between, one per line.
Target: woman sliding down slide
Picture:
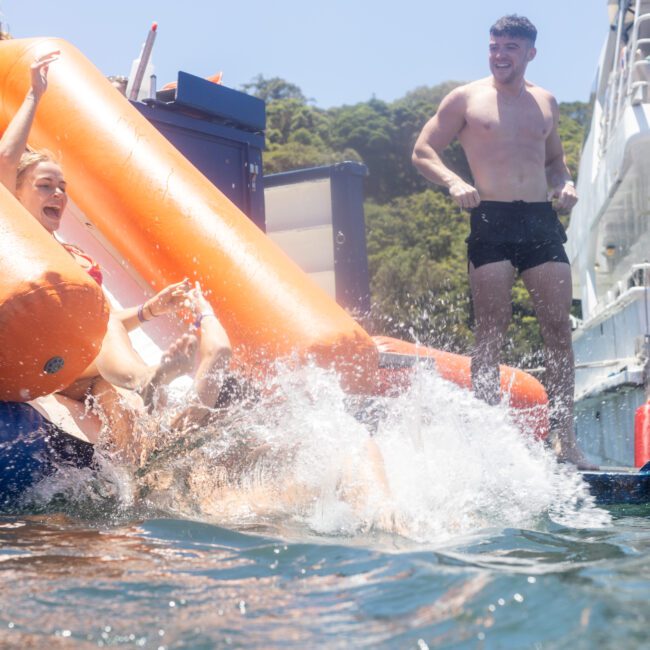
37	181
119	384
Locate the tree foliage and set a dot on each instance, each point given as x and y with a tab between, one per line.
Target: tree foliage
273	89
415	234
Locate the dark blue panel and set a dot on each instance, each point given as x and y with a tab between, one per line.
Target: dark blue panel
610	487
230	158
173	115
221	161
245	111
32	448
313	173
350	253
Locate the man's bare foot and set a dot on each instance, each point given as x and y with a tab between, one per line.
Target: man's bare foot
571	453
177	360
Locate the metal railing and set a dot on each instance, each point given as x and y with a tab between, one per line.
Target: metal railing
638	277
629	78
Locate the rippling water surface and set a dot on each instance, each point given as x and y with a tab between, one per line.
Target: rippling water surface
478	539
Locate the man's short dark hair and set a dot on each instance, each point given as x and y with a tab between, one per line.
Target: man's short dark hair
514	26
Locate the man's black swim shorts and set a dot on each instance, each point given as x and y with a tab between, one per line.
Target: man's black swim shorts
525	234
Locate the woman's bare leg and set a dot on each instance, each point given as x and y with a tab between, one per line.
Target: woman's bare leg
120	410
177	360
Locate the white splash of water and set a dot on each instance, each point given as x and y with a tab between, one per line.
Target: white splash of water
456	465
106	489
304	454
429	465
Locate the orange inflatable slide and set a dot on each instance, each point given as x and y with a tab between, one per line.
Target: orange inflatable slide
44	344
168	222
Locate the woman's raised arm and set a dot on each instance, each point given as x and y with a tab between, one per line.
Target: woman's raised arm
14	139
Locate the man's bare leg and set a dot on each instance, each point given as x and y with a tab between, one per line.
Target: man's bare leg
491	286
549	285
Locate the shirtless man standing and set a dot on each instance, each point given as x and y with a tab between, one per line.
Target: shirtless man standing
508	129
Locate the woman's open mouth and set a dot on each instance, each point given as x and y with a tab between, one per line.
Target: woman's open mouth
53	212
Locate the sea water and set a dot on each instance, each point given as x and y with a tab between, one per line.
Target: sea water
279	524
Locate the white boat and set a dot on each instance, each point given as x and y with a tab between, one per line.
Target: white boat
609	244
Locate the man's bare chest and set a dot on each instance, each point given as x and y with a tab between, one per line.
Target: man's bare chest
523	122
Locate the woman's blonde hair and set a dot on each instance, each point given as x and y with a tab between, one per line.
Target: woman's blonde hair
30	159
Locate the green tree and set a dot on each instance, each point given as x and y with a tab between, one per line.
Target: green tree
416	257
409	115
368	129
273	89
300	155
297	136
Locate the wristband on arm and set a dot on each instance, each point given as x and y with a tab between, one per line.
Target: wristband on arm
200	317
141	309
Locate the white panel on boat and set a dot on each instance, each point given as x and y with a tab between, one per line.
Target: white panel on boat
311	248
326	280
298	205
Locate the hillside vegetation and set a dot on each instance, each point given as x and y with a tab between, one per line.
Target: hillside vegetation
415	234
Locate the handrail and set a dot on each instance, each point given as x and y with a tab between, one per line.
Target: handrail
637	278
635	41
623	85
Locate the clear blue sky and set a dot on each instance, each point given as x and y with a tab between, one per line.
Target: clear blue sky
337	51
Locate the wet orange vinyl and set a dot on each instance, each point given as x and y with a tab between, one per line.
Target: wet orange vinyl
52	313
169	222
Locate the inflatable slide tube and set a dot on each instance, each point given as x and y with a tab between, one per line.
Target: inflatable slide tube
524	393
52	313
170	222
